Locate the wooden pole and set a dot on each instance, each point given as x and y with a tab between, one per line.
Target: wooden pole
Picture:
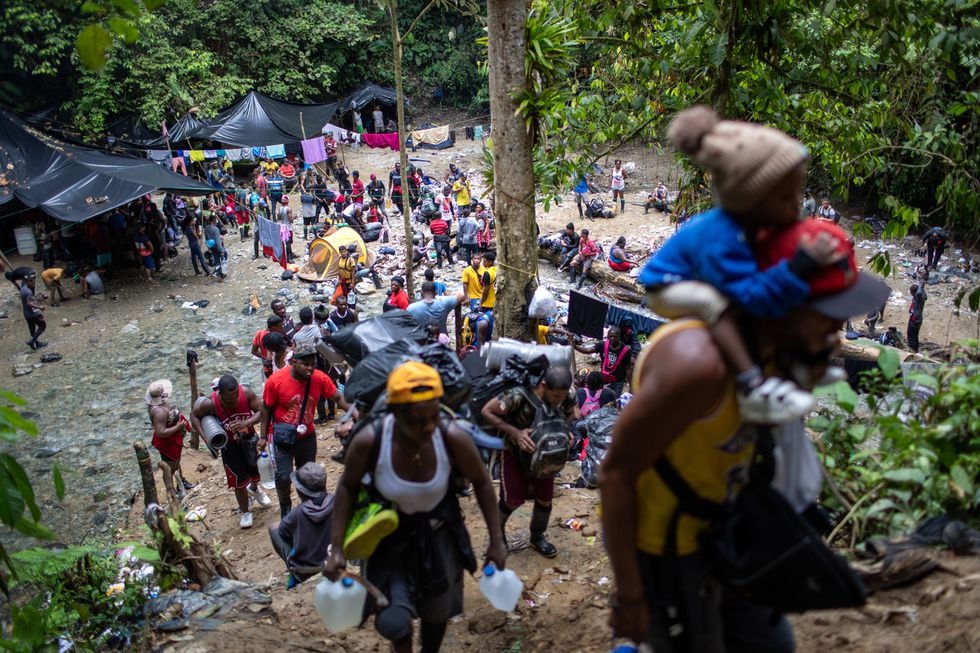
195	440
146	474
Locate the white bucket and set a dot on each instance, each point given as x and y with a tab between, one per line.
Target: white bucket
26	245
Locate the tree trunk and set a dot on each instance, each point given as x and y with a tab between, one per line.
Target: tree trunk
405	208
513	171
600	271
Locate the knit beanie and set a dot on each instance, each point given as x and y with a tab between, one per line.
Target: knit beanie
745	160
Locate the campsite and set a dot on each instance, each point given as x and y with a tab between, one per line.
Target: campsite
234	236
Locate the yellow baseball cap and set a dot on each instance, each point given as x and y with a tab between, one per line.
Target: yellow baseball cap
413	382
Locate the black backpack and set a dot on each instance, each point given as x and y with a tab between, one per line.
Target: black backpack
551	439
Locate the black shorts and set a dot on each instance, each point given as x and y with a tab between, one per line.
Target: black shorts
309	221
237	471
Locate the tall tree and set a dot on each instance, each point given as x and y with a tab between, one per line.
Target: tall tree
513	168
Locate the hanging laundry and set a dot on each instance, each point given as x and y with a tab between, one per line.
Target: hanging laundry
275	151
432	136
313	150
258	152
197	155
235	155
586	315
339	133
210	154
478	132
382	140
270	237
245	153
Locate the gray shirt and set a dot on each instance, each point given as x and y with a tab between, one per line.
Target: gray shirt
437	311
94	281
467	231
211	232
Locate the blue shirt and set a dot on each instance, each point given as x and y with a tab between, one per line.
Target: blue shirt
582	186
436	311
713	248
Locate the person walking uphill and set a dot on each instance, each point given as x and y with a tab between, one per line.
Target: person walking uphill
239	409
169	427
519	415
407	455
685	415
33	309
288	406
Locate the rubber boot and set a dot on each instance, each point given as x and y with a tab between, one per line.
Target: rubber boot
539	523
622	206
571	277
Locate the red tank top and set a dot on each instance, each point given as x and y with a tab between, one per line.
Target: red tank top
242	411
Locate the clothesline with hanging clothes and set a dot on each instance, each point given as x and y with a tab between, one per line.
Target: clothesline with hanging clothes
273	237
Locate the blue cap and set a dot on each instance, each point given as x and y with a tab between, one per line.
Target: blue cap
347	581
489	570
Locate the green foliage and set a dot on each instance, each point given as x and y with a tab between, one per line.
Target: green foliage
75	597
19	510
910	450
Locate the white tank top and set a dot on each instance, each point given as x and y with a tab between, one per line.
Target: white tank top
618	179
408	496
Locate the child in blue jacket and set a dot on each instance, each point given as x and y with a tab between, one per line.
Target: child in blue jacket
708	267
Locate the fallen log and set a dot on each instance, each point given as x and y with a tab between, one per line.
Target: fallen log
603	273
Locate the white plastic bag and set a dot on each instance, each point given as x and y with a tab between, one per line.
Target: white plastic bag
543	304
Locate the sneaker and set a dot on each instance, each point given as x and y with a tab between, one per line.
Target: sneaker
246	520
187	484
32	345
370	522
40	344
774	401
261	497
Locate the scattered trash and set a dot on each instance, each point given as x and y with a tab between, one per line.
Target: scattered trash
201	303
574	524
603	581
51	357
196	514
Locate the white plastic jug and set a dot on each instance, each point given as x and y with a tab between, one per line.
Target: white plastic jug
502	588
267	474
340	604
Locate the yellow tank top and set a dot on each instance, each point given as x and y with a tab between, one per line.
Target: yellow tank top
492	293
713	455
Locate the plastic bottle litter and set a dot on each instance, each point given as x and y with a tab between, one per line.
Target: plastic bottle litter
340	603
267	474
501	587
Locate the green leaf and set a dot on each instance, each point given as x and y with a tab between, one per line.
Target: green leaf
961	479
906	475
11	503
880	505
92	44
153	5
23	484
128	8
889	362
146	554
124	28
59	482
32	529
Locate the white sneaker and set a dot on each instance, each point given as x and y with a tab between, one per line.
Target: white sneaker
246	520
261	497
774	402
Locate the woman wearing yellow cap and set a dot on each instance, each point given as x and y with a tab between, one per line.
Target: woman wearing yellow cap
409	455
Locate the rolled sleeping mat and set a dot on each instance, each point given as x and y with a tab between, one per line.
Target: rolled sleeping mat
496	352
214	433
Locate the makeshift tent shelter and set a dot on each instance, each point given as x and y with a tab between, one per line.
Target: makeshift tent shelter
188	128
75	183
325	254
363	100
257	120
430	137
129	128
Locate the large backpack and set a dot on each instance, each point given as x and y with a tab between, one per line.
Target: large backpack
551	439
591	402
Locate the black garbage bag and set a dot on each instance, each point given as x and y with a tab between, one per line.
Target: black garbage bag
368	378
371	232
599	425
356	341
455	382
515	372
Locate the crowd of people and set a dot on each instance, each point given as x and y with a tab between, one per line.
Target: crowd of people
756	298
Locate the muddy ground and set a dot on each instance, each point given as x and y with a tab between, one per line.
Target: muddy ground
89	407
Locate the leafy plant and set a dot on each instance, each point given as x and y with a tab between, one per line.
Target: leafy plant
907	449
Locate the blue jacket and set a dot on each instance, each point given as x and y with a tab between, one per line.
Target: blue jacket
713	248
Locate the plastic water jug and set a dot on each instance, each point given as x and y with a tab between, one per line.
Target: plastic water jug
340	604
502	588
266	473
628	646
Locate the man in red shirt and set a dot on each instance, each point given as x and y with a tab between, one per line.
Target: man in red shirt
397	298
357	189
289	399
440	236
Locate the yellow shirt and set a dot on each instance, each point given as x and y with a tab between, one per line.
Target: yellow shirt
472	281
462	193
346	267
269	166
492	293
712	454
52	274
543	334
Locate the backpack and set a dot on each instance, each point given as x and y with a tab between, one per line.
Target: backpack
551	439
591	402
607	375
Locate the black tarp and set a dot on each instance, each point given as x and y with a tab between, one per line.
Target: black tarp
75	183
367	96
257	120
129	128
188	128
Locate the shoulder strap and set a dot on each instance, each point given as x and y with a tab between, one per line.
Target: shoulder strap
306	396
687	499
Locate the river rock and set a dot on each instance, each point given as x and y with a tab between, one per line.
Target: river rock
129	327
47	452
365	288
23	370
